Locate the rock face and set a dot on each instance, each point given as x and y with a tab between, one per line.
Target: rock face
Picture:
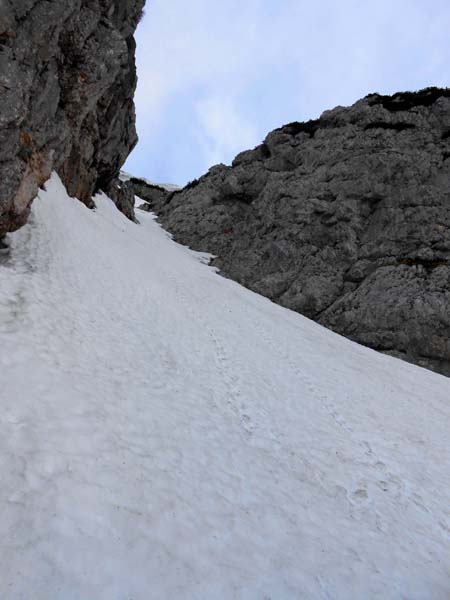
153	195
67	81
345	219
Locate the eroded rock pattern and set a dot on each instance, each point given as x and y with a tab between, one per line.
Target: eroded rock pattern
345	219
67	81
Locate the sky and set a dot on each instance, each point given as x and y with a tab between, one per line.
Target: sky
216	76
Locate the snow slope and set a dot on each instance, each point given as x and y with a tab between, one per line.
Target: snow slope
167	434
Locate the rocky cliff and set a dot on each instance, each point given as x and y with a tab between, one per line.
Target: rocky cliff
345	219
67	80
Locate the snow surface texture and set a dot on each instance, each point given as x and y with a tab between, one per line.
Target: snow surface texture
166	433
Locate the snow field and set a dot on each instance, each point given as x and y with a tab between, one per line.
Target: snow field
165	433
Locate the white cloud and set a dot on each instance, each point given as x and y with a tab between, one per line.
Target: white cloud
231	70
223	131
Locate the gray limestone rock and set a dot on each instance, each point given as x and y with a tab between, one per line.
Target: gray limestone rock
67	81
345	219
154	196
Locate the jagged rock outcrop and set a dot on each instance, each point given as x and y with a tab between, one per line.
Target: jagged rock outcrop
154	195
345	219
67	81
